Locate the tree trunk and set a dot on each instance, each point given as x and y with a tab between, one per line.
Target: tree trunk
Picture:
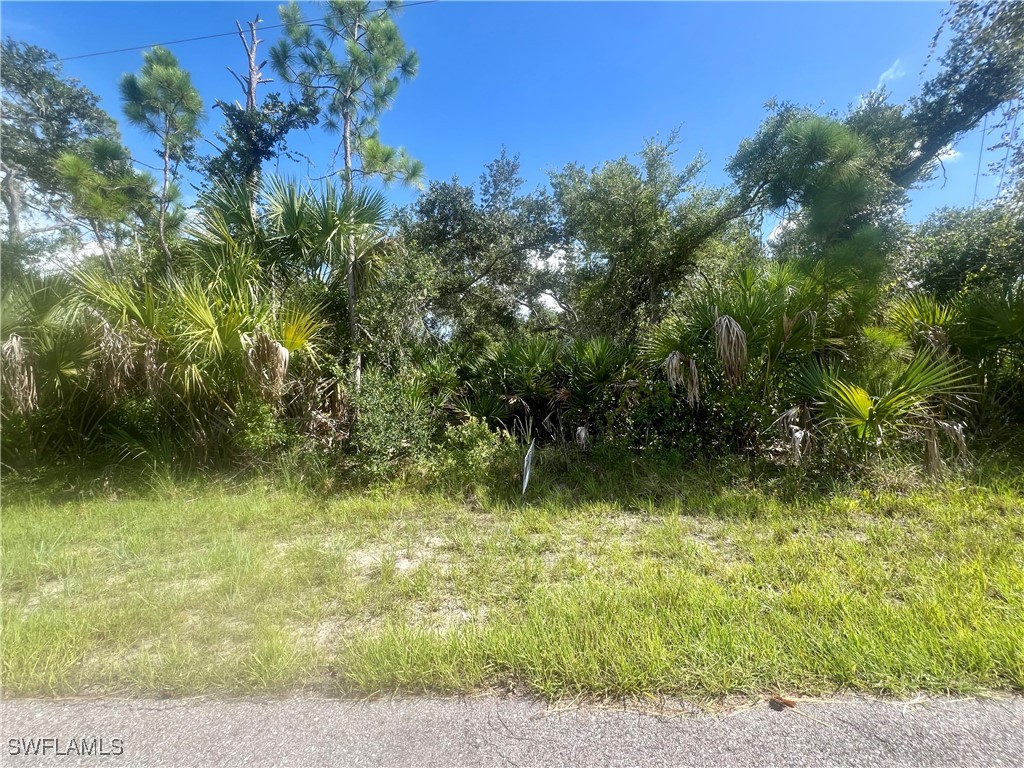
11	193
254	70
107	259
350	270
163	200
249	86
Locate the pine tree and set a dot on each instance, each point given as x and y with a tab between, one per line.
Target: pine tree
352	70
162	101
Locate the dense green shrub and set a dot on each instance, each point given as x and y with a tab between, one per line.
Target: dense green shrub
259	431
471	454
788	376
393	425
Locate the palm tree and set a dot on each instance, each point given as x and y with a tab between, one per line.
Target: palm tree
301	236
760	317
915	402
52	353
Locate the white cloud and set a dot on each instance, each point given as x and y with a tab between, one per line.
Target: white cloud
549	302
895	72
950	155
785	224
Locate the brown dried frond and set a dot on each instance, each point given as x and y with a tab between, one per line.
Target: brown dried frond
116	362
318	407
935	336
789	323
268	364
152	369
330	424
732	348
954	430
337	403
19	381
692	383
583	437
549	423
795	424
672	369
797	439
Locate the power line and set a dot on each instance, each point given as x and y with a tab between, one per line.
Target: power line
209	37
151	45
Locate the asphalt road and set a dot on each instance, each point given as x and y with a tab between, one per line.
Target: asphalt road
493	731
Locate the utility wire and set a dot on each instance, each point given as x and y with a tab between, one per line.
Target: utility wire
210	37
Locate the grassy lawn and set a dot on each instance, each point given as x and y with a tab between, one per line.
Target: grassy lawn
694	589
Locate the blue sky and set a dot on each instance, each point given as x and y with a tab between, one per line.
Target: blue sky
555	82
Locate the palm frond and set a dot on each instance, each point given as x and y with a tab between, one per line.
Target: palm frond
297	327
923	320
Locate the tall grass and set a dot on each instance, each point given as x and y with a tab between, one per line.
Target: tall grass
640	579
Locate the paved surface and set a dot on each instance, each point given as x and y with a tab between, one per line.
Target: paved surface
506	732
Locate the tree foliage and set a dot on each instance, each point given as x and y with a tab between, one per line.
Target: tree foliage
45	115
352	70
257	132
958	249
109	195
635	232
353	83
493	248
631	306
980	70
251	137
162	101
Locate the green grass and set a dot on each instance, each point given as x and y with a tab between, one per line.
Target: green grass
679	584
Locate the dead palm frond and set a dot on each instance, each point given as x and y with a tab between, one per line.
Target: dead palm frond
790	324
153	369
115	361
18	378
268	364
795	424
681	370
692	383
731	344
673	370
954	431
